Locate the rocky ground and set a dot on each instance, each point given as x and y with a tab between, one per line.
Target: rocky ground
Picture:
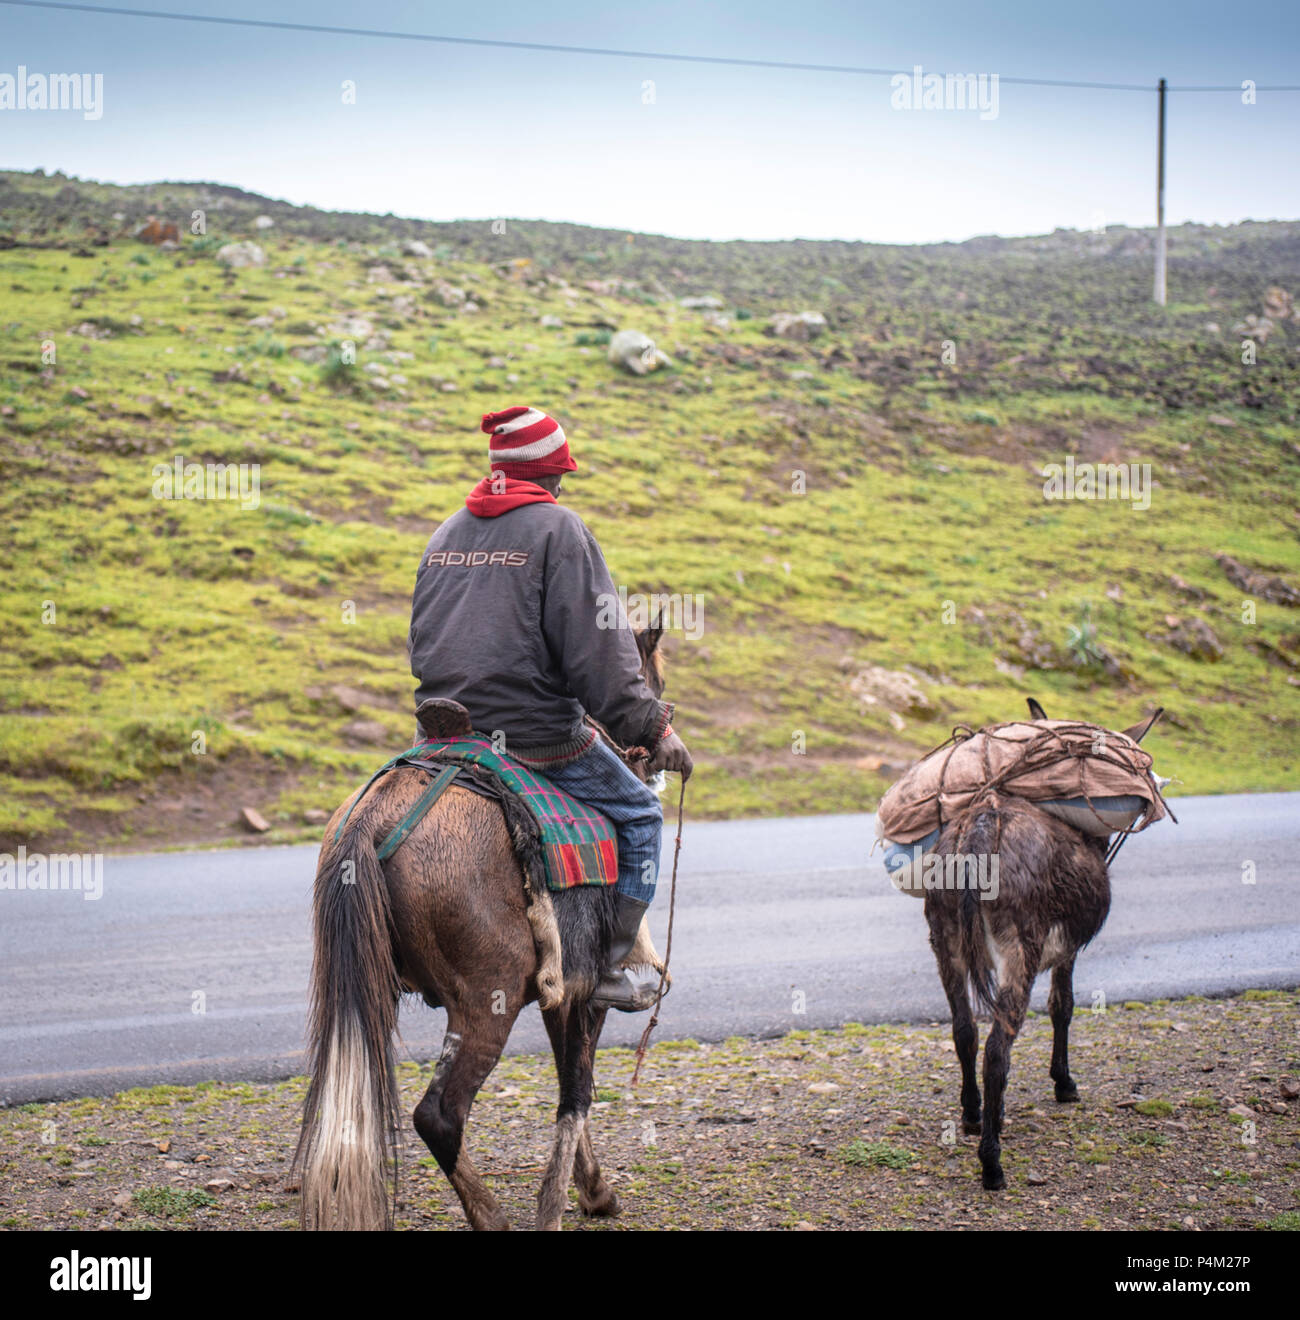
1189	1119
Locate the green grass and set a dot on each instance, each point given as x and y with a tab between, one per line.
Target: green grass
171	1202
141	630
876	1155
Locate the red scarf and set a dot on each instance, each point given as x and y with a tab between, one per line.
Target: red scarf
485	502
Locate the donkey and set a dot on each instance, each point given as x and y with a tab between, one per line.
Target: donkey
446	916
1052	897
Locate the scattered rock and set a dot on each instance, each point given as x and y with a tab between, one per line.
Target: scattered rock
219	1185
1196	638
1290	1088
156	231
315	816
239	255
1254	583
365	731
350	326
801	326
122	1200
253	821
263	222
893	689
415	248
635	352
1035	1179
449	295
1242	1111
1278	305
708	303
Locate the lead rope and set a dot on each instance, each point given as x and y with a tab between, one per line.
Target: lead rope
668	947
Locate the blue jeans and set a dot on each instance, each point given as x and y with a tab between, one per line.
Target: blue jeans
600	780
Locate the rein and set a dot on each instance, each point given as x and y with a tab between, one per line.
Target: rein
668	947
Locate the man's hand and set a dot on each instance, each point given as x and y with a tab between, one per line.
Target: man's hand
671	754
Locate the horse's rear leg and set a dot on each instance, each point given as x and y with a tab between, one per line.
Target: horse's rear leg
1060	1004
440	1117
1009	1016
574	1030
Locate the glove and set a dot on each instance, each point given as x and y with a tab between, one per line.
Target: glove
671	754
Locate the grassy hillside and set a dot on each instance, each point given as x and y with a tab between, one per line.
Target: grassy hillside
272	638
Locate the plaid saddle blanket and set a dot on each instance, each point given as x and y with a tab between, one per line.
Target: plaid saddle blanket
578	845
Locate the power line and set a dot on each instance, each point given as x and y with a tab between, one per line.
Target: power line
502	44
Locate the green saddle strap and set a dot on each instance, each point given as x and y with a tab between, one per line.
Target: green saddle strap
441	782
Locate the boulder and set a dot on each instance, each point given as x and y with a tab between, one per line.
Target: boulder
365	731
801	326
1253	583
414	248
239	255
895	690
263	222
636	352
449	295
1196	638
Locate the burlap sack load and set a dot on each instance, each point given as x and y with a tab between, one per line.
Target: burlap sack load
1094	779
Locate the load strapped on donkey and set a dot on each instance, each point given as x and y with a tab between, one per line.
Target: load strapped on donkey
1096	780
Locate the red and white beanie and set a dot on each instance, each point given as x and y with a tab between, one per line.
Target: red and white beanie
527	443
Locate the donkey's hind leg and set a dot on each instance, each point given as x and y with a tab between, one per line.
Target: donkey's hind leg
965	1034
966	1041
573	1029
1060	1004
440	1116
1009	1016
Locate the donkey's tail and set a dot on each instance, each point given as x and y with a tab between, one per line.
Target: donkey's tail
975	952
977	832
350	1119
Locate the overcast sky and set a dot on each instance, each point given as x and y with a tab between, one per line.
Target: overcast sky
445	132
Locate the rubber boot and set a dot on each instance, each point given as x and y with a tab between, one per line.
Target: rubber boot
628	989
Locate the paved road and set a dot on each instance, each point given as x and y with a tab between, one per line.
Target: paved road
772	915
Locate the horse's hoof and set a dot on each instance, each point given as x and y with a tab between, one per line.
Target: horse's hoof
972	1127
994	1180
1066	1093
605	1206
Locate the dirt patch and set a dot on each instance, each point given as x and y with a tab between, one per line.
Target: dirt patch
1183	1123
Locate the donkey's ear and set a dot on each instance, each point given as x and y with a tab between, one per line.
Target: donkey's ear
1036	712
1140	730
648	639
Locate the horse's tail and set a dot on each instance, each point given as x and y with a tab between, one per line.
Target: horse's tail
350	1119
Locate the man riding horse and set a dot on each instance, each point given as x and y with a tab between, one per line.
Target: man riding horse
509	617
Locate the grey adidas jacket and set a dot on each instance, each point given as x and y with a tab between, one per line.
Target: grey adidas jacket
505	619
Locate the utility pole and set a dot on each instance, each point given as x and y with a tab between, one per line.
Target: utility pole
1160	291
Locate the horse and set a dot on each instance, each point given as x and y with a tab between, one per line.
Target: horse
449	916
1052	898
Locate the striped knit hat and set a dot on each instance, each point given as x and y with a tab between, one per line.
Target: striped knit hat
527	443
